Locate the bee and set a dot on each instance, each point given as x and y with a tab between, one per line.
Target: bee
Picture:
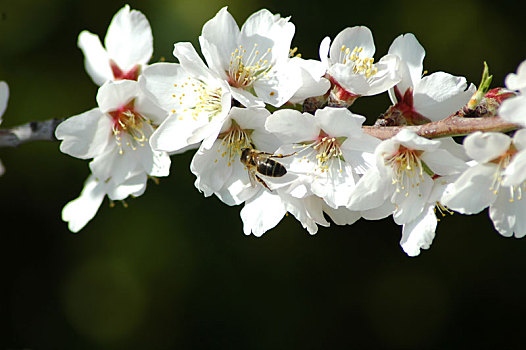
261	163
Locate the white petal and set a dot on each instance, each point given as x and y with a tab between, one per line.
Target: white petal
508	216
370	192
134	185
338	122
517	81
174	133
219	39
412	199
312	81
324	51
191	62
115	166
484	147
96	58
342	215
441	162
519	139
514	110
515	172
378	213
246	98
129	40
4	96
262	212
85	135
440	94
359	36
212	168
292	126
412	55
419	233
250	118
471	192
279	86
115	94
412	141
80	211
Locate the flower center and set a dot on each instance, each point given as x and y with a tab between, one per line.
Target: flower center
325	150
360	65
128	122
408	169
502	163
233	141
246	67
198	98
119	74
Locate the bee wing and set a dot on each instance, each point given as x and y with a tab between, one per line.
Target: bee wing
252	178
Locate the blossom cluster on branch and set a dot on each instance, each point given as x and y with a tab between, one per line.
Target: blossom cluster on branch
311	157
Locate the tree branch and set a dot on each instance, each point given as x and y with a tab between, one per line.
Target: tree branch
454	125
33	131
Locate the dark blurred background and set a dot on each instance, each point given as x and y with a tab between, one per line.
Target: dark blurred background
174	269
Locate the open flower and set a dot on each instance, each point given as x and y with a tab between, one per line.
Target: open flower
197	100
351	66
329	148
129	46
514	109
116	136
402	180
254	60
497	180
423	99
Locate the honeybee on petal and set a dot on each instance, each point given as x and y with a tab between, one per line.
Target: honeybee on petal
262	163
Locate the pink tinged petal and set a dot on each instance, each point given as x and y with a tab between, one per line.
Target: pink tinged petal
371	191
212	168
129	40
4	96
440	94
359	36
484	147
80	211
412	199
342	215
412	55
221	34
191	62
133	186
338	122
508	216
96	59
515	172
441	162
85	135
419	233
115	94
262	212
514	110
291	126
517	81
472	192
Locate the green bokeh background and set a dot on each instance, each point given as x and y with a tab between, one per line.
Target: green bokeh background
174	269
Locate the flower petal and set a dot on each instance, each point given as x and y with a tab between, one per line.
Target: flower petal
358	36
514	110
4	96
262	212
419	233
484	147
508	216
96	59
412	55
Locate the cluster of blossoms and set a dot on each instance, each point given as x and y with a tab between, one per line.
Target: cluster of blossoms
313	159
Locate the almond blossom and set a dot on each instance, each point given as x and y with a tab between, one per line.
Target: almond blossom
128	48
254	60
402	180
421	99
116	136
351	67
329	148
497	180
514	109
197	100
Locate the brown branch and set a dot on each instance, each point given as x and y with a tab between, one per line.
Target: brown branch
33	131
454	125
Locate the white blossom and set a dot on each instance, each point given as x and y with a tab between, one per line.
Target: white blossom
514	109
425	98
4	97
128	47
254	60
